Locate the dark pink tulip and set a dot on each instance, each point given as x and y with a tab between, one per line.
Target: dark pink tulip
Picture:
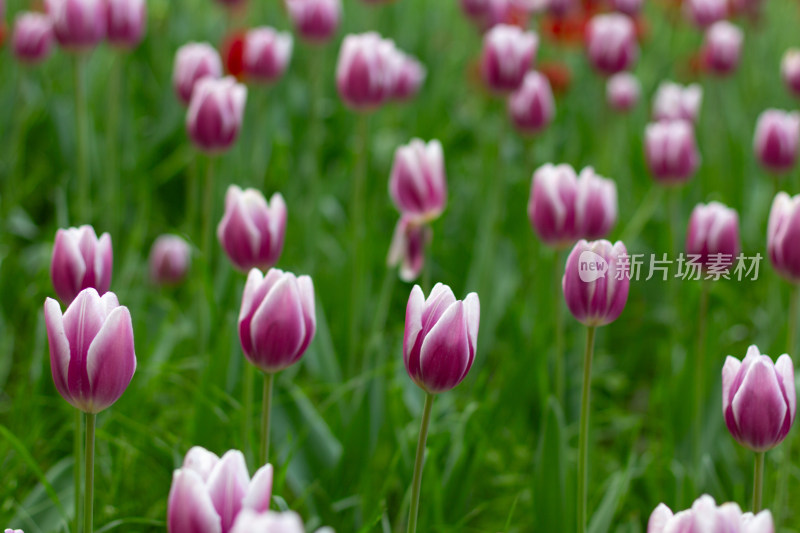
777	139
208	495
704	13
33	37
80	260
266	54
126	22
532	107
790	70
705	516
91	349
671	151
441	337
508	53
410	76
759	402
629	7
623	91
486	14
596	282
78	24
252	231
611	43
408	247
169	260
676	102
277	320
367	70
783	234
215	113
722	47
193	62
713	235
315	20
418	184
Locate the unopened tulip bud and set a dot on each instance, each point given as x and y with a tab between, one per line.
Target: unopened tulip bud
790	70
777	139
759	402
126	22
80	260
408	248
410	76
722	47
169	260
783	234
676	102
704	13
596	282
315	20
623	91
611	43
366	71
78	24
266	54
532	107
508	53
215	113
713	236
418	184
193	62
441	337
33	37
91	350
671	151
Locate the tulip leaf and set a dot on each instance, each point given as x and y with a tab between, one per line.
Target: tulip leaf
549	489
616	490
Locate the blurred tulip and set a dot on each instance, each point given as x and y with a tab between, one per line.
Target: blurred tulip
596	282
623	91
790	70
713	235
14	531
722	47
367	70
209	500
758	399
559	8
532	107
80	260
33	37
408	247
315	20
671	151
486	14
169	260
91	350
410	76
126	21
675	102
252	231
777	139
783	234
418	183
508	53
268	522
215	113
78	25
706	516
611	43
629	7
704	13
277	320
266	54
193	62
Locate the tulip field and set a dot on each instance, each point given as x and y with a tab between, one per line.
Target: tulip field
521	266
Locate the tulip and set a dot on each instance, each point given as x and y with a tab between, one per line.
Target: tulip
169	260
777	139
486	14
676	102
560	8
671	151
722	47
783	234
629	7
315	20
508	53
271	522
596	282
408	247
33	37
78	25
704	13
252	231
611	43
80	260
126	20
193	62
418	185
410	76
366	71
14	531
210	498
713	235
623	91
706	516
790	70
215	113
266	54
532	107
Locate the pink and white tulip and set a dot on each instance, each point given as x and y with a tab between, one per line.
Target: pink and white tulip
78	25
126	21
80	260
418	183
266	54
193	62
722	47
215	113
407	249
508	53
611	43
532	106
315	20
777	139
783	234
596	282
676	102
704	515
367	71
623	91
713	235
704	13
33	37
790	70
169	260
671	151
271	522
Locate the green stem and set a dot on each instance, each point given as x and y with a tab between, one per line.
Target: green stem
758	481
78	450
266	407
112	180
357	215
583	437
84	203
700	368
208	205
643	214
91	418
560	375
247	392
416	484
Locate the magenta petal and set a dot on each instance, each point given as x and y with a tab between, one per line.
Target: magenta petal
227	486
259	493
416	303
729	372
306	288
278	327
111	360
759	408
59	347
189	508
445	351
67	267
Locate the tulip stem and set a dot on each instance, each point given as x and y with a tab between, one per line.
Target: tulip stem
583	437
84	203
794	307
269	381
78	447
89	500
560	376
357	215
416	484
758	481
700	368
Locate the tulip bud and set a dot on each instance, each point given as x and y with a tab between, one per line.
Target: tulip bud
80	260
508	53
713	235
629	7
532	107
622	91
704	13
266	54
408	247
441	337
33	37
675	102
777	139
91	349
790	70
277	320
215	113
596	282
722	47
315	20
783	234
367	69
169	260
193	62
126	22
252	231
758	399
671	151
418	185
410	76
77	24
611	43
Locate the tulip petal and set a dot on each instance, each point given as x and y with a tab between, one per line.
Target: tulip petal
227	486
658	519
439	300
472	316
259	493
445	351
760	523
758	406
255	290
278	327
111	360
103	263
414	309
785	370
306	288
67	267
189	508
200	461
59	347
729	372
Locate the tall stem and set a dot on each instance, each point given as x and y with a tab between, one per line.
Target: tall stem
112	181
758	481
84	202
78	450
794	307
583	437
89	463
700	368
208	205
560	375
419	462
357	213
266	407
